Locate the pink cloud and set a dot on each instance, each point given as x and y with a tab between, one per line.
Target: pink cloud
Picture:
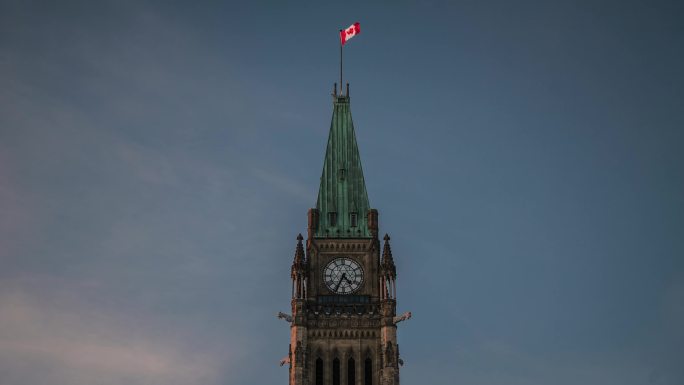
37	338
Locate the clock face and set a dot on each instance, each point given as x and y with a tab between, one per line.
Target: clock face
343	276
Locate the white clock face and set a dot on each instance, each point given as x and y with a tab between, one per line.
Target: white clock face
343	276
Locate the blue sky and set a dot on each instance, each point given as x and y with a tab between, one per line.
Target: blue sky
157	160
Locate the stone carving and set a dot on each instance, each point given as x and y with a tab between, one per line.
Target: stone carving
284	316
402	317
284	361
307	354
299	354
389	354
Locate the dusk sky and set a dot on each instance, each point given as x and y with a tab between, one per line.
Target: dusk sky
157	160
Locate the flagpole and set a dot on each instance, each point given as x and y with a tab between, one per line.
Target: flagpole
340	62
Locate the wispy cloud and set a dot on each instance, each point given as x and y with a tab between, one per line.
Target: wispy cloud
78	345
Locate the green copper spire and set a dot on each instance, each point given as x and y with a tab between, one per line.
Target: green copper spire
342	198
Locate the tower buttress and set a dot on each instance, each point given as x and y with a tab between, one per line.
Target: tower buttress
298	329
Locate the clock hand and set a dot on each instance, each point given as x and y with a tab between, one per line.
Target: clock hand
339	283
350	282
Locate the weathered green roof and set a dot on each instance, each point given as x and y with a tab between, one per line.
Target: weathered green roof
343	190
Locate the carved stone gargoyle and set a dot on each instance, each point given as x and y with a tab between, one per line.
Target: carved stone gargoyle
284	316
402	317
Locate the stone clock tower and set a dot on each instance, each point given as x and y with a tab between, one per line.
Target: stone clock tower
343	326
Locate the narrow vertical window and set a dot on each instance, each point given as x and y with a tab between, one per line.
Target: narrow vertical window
336	372
351	372
368	372
319	372
332	218
343	174
353	219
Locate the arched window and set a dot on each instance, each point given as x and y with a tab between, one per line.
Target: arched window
319	372
351	372
336	371
368	372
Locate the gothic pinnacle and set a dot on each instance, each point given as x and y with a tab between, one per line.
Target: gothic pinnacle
298	264
387	260
387	251
299	252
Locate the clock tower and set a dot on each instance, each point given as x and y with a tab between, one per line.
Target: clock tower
343	326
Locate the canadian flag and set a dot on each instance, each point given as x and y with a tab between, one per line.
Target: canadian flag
346	34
